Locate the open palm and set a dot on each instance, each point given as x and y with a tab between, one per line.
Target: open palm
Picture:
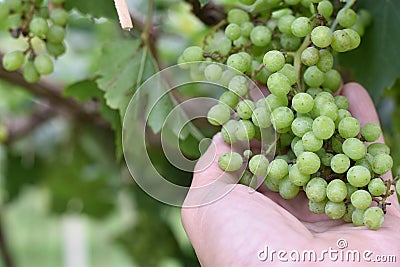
249	228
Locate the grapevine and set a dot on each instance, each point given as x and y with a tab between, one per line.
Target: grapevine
289	48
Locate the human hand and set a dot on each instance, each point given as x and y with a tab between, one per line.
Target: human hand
234	229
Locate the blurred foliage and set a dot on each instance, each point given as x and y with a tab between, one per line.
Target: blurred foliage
80	166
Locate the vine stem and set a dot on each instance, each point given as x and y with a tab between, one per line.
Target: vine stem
148	26
297	60
348	4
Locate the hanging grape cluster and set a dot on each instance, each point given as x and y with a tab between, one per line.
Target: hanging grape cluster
42	24
288	48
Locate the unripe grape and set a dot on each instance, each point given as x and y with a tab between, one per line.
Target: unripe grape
349	127
272	184
233	31
278	84
313	91
282	117
382	163
335	210
43	64
354	148
12	61
274	101
245	131
325	8
192	53
290	72
313	77
260	36
316	189
301	27
258	165
325	62
31	75
292	2
239	85
4	11
285	22
218	114
59	16
56	34
340	163
246	28
358	217
14	5
230	161
55	49
301	125
323	127
373	218
317	207
245	109
228	131
237	16
247	2
361	199
261	117
39	27
346	17
355	38
376	187
333	80
310	56
308	163
287	189
274	60
371	132
342	102
358	176
321	36
378	148
290	42
239	62
229	98
336	191
330	110
341	41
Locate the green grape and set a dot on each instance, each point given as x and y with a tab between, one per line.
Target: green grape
233	31
219	114
313	77
38	26
245	109
272	184
213	72
274	101
330	110
358	176
12	61
278	84
321	36
316	189
242	41
292	2
277	14
230	99
313	91
336	191
325	8
302	102
245	130
290	72
278	169
349	213
285	22
346	17
358	217
262	75
59	16
248	179
282	117
308	162
358	27
247	2
55	49
311	142
228	131
310	56
193	53
298	148
56	34
365	163
354	148
230	161
260	35
31	75
349	127
274	60
287	189
371	132
398	188
325	62
239	85
341	41
376	187
247	154
335	210
298	178
323	127
301	27
342	102
261	103
43	64
261	117
317	207
378	148
258	165
239	62
290	42
326	159
301	125
373	218
361	199
246	28
342	113
327	96
355	38
350	190
340	163
382	163
238	16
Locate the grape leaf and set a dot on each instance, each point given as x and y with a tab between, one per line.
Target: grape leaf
83	90
375	63
203	2
97	8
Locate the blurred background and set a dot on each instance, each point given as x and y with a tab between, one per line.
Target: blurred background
66	196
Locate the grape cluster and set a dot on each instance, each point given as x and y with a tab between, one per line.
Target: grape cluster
42	24
321	149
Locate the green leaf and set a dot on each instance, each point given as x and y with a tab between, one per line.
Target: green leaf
123	67
97	8
375	64
83	90
203	2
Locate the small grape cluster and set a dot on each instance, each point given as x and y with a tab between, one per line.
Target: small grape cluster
41	24
288	48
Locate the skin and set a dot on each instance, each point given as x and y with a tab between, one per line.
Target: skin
232	230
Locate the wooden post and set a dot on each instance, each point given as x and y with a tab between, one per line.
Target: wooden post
123	14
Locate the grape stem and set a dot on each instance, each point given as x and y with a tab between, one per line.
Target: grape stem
297	60
212	31
270	147
348	4
257	70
